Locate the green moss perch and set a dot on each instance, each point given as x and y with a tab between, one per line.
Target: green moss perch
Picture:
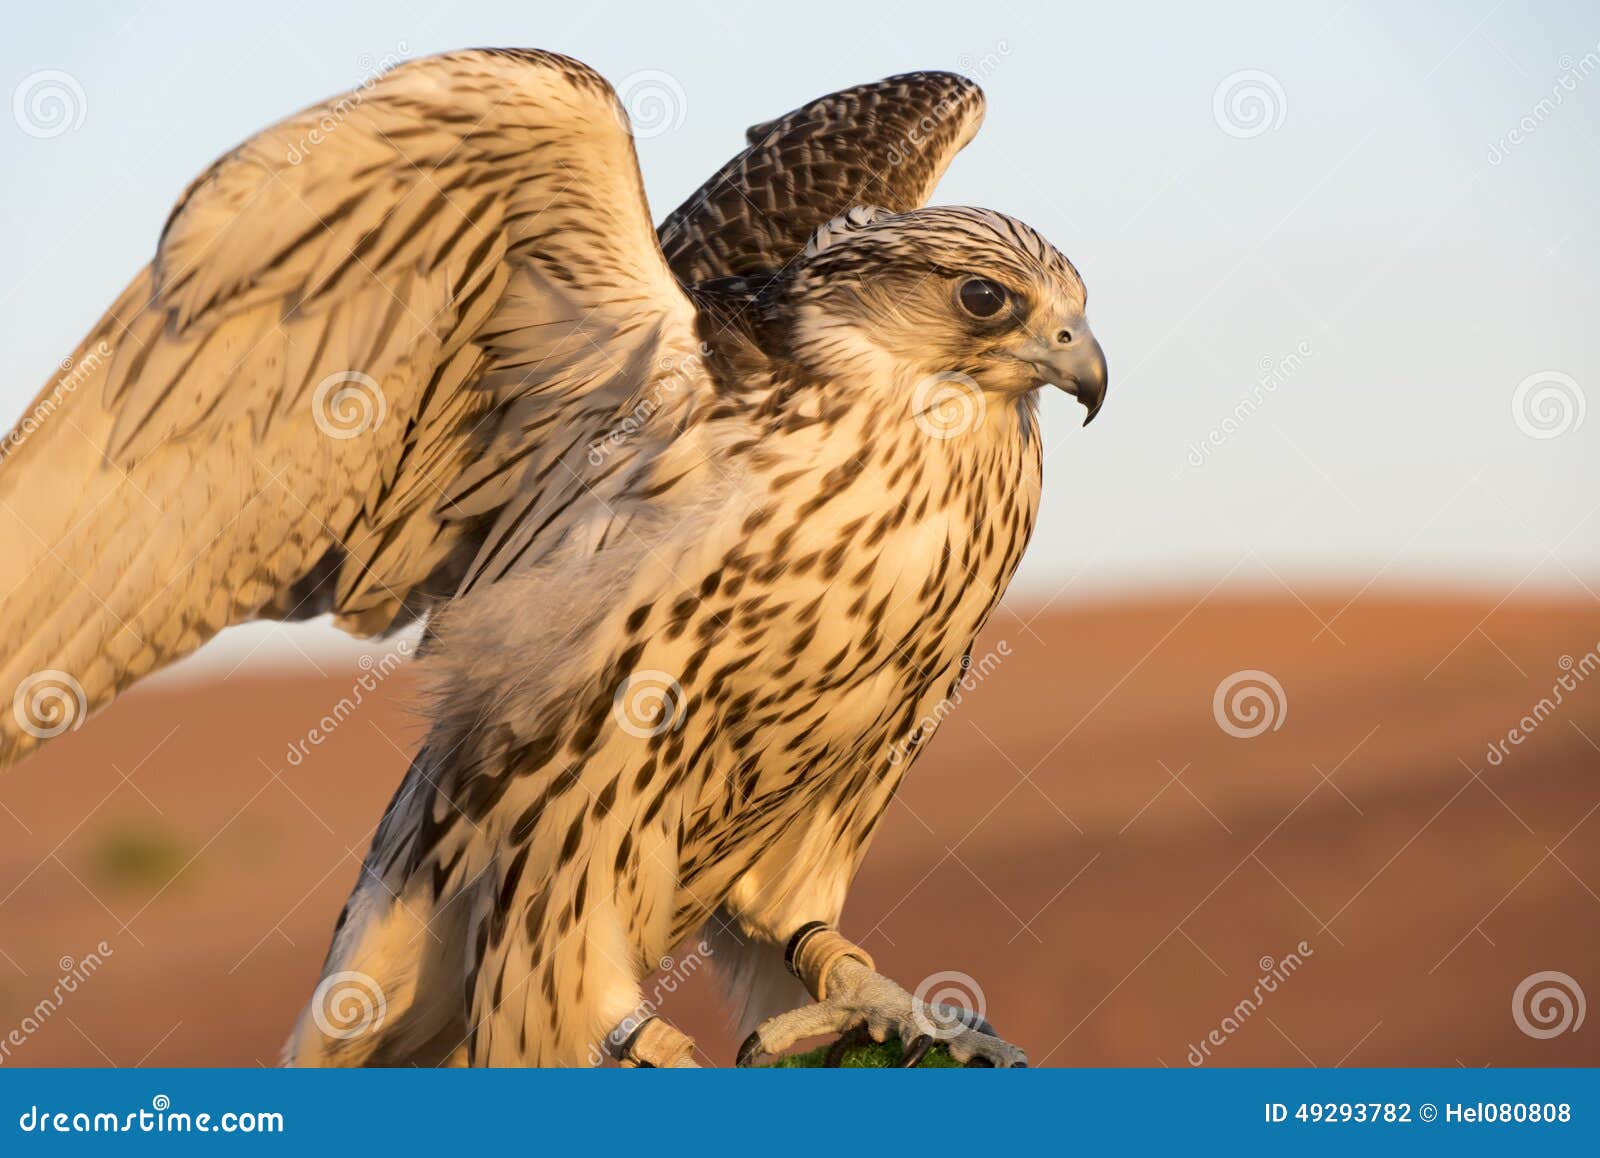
866	1055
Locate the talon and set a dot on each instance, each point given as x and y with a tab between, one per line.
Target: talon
855	1002
969	1018
916	1050
750	1051
981	1024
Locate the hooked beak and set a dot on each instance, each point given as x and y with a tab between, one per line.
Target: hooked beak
1077	366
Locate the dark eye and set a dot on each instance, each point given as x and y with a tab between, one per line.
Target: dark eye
981	297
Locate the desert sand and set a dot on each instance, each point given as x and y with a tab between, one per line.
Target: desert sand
1114	870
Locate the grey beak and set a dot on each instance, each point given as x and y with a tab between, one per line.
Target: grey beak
1079	368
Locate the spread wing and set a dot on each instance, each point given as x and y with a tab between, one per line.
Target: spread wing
361	332
885	143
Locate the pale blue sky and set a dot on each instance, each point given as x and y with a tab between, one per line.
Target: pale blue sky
1367	229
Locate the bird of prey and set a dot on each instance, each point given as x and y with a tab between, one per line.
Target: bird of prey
719	515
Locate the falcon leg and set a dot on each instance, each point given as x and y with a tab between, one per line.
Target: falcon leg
651	1044
850	994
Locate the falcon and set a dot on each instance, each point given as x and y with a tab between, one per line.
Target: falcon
706	522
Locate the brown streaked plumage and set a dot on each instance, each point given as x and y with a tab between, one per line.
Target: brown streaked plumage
885	143
171	480
715	550
796	560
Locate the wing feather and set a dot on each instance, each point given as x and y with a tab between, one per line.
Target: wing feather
458	257
339	316
886	143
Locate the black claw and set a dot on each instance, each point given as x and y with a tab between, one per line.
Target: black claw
971	1019
749	1051
1022	1065
979	1062
915	1051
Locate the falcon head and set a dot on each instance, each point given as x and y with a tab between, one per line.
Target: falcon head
968	293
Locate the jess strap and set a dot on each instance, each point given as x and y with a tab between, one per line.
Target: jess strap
814	950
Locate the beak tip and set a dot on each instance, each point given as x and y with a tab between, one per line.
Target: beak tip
1092	408
1079	370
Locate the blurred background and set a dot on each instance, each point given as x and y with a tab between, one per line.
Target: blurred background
1288	751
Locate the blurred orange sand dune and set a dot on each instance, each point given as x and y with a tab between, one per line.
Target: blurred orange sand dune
1094	839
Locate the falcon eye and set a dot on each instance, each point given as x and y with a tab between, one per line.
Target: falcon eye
981	297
